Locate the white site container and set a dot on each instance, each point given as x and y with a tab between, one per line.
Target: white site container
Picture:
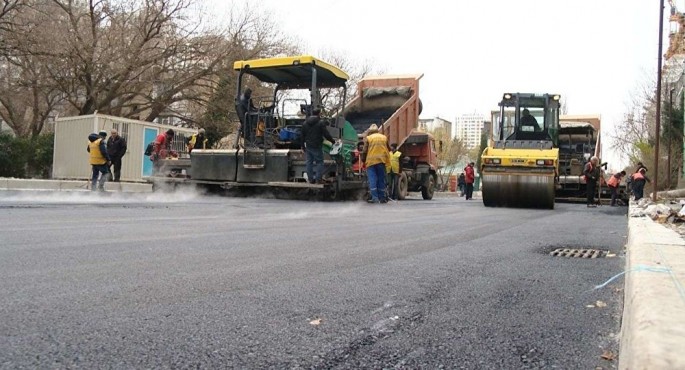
70	158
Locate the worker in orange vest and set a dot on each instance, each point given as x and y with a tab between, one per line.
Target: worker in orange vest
357	163
639	180
613	183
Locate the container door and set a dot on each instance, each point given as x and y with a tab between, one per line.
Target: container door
150	135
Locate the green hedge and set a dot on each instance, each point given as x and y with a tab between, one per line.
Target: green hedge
26	157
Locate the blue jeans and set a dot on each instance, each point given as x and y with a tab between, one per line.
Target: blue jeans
314	163
376	177
97	170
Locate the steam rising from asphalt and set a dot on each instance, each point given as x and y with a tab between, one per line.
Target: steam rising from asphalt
88	197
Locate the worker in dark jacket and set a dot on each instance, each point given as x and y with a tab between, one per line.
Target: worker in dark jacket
461	184
592	173
116	148
99	161
314	131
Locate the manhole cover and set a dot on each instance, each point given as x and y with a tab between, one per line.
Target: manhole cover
578	253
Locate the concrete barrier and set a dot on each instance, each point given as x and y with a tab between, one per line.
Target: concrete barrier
71	185
653	326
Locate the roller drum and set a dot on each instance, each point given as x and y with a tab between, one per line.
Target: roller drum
519	189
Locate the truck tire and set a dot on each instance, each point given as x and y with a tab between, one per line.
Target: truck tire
428	189
402	187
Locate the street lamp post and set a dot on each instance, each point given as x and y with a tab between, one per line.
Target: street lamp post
668	137
658	100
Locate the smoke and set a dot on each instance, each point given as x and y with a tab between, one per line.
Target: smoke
88	197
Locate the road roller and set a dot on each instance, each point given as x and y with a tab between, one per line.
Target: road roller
520	166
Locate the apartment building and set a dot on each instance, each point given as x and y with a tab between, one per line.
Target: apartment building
469	127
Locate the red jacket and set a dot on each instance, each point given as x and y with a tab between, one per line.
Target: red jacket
162	147
470	176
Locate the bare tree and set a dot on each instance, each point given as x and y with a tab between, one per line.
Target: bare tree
451	150
356	70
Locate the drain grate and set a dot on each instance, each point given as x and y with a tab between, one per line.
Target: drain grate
578	253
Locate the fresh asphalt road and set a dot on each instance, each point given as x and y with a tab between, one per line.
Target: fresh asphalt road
186	281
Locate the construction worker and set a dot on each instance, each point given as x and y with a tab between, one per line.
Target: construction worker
357	163
197	141
639	180
528	120
99	161
469	179
314	131
592	173
613	183
116	148
394	171
376	155
162	149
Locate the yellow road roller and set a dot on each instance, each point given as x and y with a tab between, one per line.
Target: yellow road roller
520	166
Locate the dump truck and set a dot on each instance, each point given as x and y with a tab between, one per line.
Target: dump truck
266	153
520	166
392	102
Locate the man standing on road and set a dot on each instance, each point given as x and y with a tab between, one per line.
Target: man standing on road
394	176
116	148
469	179
592	173
99	161
377	157
461	184
314	131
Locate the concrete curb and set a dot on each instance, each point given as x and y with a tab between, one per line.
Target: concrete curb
653	326
71	185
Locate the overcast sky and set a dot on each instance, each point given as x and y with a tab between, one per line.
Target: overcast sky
592	52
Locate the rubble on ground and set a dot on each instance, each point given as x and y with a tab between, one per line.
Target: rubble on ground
670	213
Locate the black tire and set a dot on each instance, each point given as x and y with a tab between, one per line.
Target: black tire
403	185
428	189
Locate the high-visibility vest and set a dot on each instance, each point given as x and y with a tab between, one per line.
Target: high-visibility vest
96	157
638	176
395	161
377	150
613	181
358	165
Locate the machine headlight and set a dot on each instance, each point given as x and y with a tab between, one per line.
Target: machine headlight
492	161
556	97
544	162
507	96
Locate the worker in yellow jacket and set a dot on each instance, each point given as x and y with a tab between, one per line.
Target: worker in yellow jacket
197	141
394	171
99	160
376	157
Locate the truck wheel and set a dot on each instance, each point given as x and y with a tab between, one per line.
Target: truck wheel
402	187
429	188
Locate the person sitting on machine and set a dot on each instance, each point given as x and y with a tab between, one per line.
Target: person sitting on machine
527	120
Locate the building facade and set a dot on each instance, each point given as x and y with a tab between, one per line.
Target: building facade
433	124
468	128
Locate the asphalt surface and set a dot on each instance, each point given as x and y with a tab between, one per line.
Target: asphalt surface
185	281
